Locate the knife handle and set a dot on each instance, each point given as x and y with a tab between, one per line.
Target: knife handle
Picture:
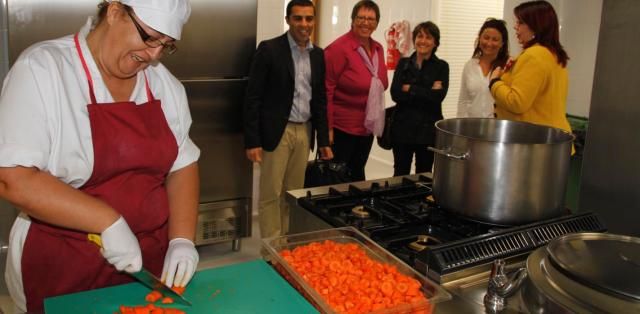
95	238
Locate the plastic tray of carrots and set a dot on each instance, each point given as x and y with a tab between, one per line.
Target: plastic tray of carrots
343	271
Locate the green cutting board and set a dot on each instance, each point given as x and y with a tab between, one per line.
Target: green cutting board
243	288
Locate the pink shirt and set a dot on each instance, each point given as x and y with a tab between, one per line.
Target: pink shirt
347	82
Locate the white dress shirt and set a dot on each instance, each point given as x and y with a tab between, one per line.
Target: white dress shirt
301	108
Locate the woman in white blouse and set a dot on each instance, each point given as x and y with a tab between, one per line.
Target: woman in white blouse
492	50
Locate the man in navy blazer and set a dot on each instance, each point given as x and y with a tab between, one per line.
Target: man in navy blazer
285	105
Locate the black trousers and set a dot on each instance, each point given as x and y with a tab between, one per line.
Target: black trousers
353	150
403	155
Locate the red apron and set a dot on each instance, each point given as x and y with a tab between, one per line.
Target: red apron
134	150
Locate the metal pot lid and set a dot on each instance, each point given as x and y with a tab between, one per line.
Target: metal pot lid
608	263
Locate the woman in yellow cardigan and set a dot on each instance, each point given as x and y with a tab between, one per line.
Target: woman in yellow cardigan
533	88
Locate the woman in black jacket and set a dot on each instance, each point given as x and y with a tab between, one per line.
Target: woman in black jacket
419	85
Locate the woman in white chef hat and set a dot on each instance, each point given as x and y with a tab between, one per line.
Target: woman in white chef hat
94	139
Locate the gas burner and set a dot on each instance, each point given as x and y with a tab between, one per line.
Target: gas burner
422	242
360	212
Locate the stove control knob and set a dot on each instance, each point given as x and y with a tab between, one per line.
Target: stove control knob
501	286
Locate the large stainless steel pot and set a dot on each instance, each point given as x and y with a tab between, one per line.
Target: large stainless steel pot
500	171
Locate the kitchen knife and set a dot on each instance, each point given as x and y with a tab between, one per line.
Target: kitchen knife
147	278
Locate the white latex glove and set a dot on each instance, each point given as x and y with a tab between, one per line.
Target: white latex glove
179	263
121	248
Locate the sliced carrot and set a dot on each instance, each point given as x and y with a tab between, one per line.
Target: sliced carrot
178	290
126	310
141	310
387	288
166	300
148	309
153	296
405	286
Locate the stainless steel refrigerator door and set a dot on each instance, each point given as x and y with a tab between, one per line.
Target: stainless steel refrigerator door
4	48
216	109
31	21
217	42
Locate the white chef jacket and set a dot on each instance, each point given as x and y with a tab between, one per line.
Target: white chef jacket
475	99
44	122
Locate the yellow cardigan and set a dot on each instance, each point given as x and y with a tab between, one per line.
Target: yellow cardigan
534	90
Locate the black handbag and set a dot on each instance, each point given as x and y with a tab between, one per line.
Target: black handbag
326	172
384	141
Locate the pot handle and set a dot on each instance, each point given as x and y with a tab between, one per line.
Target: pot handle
447	153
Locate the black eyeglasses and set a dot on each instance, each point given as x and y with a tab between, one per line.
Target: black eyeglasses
167	48
366	19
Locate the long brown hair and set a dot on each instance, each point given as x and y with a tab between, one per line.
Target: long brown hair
542	19
503	53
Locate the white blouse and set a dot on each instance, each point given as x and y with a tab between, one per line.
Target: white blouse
475	99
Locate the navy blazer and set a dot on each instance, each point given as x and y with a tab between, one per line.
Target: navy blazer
269	96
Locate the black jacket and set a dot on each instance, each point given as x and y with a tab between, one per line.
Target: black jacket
418	109
269	96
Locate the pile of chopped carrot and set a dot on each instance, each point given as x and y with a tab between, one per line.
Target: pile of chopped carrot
351	282
153	297
148	309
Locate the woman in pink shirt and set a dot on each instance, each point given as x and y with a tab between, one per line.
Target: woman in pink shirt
356	78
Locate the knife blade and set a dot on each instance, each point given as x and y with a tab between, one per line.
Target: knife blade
151	281
147	278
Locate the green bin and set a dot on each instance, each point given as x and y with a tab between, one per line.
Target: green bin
579	128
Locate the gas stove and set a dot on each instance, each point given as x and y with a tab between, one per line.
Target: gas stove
401	216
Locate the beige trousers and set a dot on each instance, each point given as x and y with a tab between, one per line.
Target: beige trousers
282	170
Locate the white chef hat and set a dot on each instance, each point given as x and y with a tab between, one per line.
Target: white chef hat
165	16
